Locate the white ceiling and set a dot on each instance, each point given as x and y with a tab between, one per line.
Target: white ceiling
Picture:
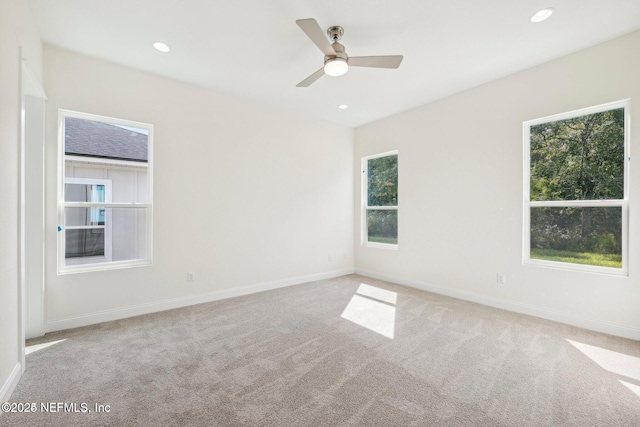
254	49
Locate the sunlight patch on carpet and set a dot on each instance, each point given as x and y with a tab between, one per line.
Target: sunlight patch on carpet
377	293
634	388
33	348
372	308
612	361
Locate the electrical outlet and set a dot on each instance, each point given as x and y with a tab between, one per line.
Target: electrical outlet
501	279
330	257
190	277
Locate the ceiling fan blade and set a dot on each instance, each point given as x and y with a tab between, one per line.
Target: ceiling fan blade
317	36
391	61
312	78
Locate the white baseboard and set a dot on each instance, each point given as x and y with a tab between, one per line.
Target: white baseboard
10	384
152	307
545	313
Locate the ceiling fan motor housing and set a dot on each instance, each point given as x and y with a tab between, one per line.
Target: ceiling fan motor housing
340	52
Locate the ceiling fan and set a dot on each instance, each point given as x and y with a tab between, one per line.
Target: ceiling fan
336	60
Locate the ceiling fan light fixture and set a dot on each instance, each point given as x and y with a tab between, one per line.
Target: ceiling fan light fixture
336	67
542	14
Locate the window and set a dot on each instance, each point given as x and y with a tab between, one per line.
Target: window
575	206
380	200
87	230
104	193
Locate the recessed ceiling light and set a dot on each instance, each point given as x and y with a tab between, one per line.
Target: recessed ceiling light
343	106
541	15
162	47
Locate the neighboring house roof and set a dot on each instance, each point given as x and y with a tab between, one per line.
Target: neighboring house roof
96	139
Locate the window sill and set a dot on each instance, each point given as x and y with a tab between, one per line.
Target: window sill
114	265
566	266
389	246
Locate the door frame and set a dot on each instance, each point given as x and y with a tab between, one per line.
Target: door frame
30	86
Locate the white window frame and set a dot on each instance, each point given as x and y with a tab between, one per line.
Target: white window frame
622	203
66	267
107	223
364	186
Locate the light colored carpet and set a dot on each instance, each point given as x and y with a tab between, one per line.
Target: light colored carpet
334	353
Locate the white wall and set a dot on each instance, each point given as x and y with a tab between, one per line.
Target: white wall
243	193
16	30
460	191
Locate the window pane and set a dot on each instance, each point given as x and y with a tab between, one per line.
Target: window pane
127	185
123	237
95	150
590	235
129	228
75	217
84	192
85	243
382	226
90	138
382	182
581	158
